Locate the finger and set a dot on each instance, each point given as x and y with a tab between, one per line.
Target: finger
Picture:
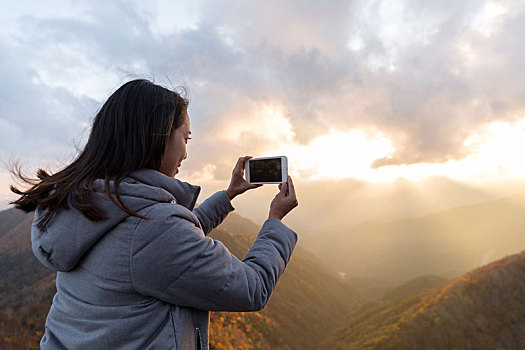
239	166
290	185
245	159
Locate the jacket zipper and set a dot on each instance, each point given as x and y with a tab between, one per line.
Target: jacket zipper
197	339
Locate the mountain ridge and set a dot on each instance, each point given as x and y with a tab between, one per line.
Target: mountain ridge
446	243
483	309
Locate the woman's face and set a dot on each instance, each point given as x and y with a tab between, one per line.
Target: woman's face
176	149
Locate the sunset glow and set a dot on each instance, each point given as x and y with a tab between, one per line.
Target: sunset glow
436	87
496	153
338	155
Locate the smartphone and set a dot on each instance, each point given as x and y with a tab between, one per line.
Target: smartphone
267	170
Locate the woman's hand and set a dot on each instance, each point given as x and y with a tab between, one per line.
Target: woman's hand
238	184
284	201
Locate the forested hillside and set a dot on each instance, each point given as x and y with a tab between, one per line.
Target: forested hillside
484	309
309	302
18	268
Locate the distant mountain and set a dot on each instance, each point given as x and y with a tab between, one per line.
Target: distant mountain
310	300
12	223
412	287
18	266
235	223
447	243
328	205
11	218
484	309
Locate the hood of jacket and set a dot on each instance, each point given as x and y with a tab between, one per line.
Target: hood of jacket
69	234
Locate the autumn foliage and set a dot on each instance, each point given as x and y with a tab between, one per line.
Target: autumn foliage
484	309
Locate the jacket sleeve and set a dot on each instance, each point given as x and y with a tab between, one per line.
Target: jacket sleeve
181	266
213	210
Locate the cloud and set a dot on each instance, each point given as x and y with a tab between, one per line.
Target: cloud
408	76
427	75
36	121
423	73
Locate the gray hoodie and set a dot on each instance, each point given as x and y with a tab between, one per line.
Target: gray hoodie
131	283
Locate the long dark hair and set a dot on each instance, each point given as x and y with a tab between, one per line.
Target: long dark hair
130	132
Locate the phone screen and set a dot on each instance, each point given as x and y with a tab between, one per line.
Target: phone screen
265	170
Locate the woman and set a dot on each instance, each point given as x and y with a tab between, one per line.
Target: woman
135	268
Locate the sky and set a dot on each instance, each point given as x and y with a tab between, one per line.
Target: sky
354	90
